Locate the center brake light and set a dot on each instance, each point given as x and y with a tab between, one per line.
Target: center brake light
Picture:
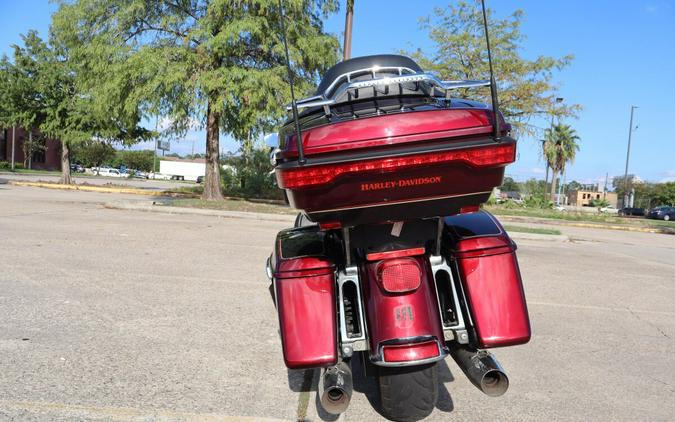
399	275
312	176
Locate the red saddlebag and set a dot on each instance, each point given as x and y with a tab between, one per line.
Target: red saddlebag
488	269
304	283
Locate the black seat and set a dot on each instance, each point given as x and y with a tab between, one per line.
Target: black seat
365	62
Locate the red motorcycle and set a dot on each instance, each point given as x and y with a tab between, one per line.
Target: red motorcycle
391	261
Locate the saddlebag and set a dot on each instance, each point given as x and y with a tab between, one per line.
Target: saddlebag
487	266
304	285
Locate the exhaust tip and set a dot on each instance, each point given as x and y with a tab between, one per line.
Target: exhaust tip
335	388
335	401
494	383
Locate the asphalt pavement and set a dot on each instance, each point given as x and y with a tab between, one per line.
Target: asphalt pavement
124	315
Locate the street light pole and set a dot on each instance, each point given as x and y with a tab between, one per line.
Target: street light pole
349	17
625	174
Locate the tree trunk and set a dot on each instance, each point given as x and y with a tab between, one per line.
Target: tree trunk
65	164
212	190
553	180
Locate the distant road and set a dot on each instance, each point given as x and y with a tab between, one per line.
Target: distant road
99	180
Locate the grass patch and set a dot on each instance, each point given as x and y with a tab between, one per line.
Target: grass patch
580	217
233	205
535	230
191	191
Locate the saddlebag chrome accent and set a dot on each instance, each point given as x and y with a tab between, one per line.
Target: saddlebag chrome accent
350	341
455	330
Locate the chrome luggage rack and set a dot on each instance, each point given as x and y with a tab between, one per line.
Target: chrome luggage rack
332	95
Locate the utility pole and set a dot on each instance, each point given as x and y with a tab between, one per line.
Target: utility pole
349	17
13	144
625	174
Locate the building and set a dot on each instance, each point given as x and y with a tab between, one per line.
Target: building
583	198
48	158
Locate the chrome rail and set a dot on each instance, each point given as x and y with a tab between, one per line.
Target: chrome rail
332	98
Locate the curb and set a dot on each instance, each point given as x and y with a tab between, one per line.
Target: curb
167	209
536	236
88	188
555	222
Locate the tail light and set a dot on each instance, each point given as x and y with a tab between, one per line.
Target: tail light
400	275
312	176
411	352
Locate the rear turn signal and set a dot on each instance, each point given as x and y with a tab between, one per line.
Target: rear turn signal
400	275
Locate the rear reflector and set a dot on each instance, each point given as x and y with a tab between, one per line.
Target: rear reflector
311	176
411	352
378	256
469	209
400	275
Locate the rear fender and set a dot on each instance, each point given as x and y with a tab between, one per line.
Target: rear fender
404	328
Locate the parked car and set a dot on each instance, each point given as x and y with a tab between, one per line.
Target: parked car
662	213
609	209
76	168
159	176
108	172
639	212
139	174
200	179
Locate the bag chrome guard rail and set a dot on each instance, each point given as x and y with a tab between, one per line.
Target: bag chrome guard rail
333	95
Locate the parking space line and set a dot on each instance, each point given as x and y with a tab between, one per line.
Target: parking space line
127	413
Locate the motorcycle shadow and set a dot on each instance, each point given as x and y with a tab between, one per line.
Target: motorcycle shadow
307	381
368	386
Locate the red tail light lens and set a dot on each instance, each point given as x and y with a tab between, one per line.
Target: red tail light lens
400	275
411	352
311	176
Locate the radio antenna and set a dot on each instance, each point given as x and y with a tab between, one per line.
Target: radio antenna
294	106
493	84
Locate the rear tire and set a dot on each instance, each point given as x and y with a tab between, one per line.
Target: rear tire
408	393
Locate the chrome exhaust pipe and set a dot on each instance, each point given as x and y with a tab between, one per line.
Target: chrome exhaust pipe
482	369
335	388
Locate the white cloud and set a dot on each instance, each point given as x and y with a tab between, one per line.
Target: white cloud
537	170
668	176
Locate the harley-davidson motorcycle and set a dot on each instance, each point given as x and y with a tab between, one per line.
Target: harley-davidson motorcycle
391	261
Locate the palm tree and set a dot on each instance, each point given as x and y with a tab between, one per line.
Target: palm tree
560	147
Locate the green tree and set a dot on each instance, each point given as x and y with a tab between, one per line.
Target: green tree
93	153
510	185
560	148
526	87
573	185
218	64
47	96
137	160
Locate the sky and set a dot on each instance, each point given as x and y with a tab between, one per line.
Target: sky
624	55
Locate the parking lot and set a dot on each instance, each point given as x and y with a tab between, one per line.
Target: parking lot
137	316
